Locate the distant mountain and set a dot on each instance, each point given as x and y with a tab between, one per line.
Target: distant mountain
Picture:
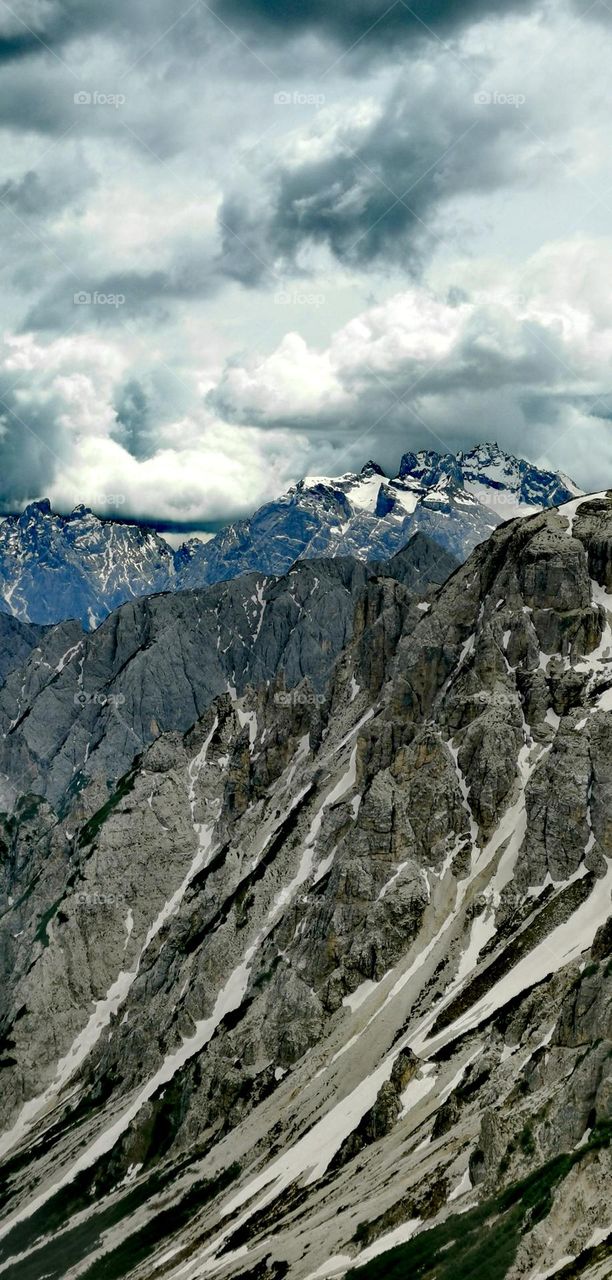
457	500
57	567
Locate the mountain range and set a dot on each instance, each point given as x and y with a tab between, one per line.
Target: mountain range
55	567
306	918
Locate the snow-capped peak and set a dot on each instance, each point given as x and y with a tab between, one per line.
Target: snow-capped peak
361	488
55	567
512	486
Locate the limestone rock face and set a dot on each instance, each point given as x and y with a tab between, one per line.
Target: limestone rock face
554	572
306	942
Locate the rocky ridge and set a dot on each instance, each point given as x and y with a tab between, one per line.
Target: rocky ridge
77	566
456	500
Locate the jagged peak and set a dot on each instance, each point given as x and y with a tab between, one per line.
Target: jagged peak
459	499
429	467
42	506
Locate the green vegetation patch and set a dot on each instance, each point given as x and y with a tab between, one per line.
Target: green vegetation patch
42	934
61	1249
91	828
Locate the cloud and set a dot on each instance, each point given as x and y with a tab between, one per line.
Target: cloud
43	193
423	369
530	369
355	22
110	300
217	472
133	420
48	397
43	26
245	251
358	28
75	428
265	163
374	186
31	443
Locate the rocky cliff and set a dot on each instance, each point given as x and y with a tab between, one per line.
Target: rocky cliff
320	980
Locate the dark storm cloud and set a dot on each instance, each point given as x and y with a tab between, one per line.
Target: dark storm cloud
43	194
39	97
377	192
124	295
370	195
55	27
133	428
31	102
32	445
348	21
17	46
246	244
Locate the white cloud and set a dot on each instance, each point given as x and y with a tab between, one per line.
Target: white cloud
293	382
516	351
222	469
543	330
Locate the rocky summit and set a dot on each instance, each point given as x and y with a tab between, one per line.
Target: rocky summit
307	923
53	568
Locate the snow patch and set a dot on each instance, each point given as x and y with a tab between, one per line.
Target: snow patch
355	999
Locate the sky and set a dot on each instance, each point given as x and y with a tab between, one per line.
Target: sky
247	240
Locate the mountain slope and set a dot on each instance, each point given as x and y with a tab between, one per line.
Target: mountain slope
156	664
318	975
17	640
57	567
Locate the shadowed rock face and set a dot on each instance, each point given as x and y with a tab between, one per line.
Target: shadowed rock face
18	639
332	960
555	575
86	704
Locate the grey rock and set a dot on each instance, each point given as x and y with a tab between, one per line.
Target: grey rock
341	947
